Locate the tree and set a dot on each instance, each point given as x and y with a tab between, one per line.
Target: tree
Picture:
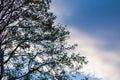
31	45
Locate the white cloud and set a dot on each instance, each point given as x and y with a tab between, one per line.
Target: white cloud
101	62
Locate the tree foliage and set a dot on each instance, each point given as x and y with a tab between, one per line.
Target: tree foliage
32	47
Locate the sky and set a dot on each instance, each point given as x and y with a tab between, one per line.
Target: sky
94	26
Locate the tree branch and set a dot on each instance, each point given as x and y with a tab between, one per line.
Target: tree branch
12	53
44	64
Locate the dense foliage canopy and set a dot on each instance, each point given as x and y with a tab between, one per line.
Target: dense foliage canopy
32	46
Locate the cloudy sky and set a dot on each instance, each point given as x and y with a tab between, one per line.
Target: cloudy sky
95	26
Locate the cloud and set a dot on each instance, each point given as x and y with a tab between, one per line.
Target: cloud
60	10
102	63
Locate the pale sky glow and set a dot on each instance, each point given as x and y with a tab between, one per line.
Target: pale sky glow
100	47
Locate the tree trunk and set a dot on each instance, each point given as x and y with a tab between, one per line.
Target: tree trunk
1	63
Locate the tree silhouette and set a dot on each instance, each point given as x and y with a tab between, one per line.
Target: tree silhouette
31	45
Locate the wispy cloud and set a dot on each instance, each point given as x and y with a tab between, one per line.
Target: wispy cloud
60	10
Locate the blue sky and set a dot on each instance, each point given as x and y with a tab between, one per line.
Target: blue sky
99	18
94	25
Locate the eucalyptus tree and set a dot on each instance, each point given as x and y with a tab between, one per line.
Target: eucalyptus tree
32	46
